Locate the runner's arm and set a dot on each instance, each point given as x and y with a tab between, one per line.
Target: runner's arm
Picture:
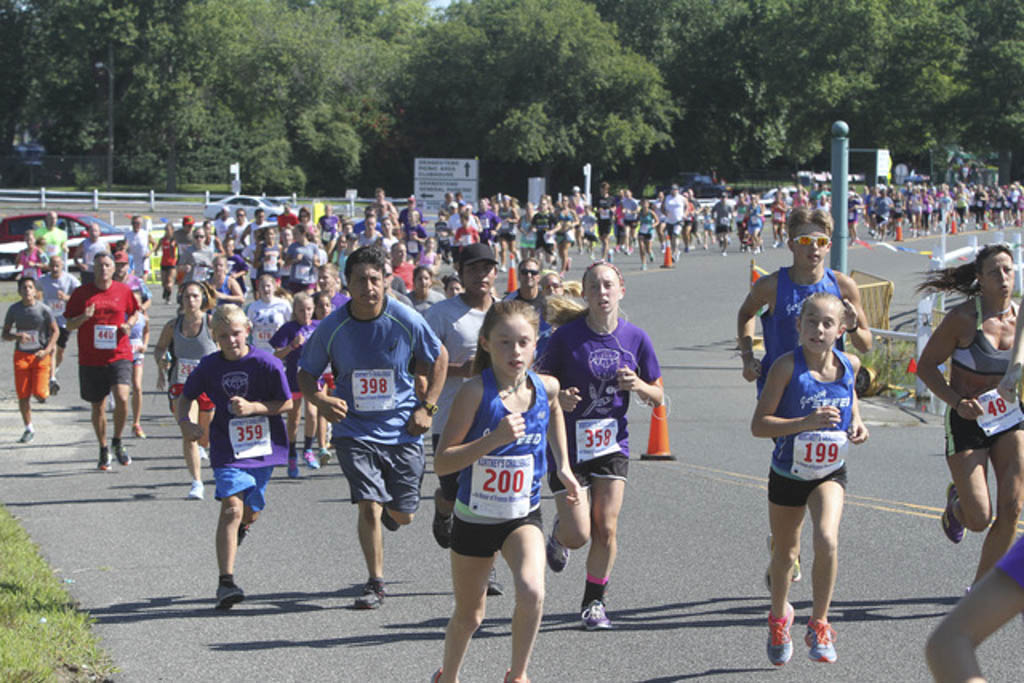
860	335
1011	380
454	455
766	424
761	294
558	440
954	328
858	432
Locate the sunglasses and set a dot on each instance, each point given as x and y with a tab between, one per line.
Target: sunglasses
531	273
807	240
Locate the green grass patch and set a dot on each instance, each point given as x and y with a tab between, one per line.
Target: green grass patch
888	360
43	637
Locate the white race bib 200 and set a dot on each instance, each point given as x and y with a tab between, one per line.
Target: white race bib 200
105	337
501	486
819	454
998	415
250	437
595	438
373	390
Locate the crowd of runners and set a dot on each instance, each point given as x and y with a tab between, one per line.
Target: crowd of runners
339	325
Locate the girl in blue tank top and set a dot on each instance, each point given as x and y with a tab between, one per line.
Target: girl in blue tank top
809	407
496	436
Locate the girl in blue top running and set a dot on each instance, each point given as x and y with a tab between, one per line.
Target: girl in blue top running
495	438
809	408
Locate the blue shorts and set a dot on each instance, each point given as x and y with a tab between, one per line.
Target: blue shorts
250	481
385	473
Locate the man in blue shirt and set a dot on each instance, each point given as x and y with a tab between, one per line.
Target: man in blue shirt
378	418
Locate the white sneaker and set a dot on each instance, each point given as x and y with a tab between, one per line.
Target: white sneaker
196	492
203	454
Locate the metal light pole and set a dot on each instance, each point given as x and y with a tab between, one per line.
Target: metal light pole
840	189
109	68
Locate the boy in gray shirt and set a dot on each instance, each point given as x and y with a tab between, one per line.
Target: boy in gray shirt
34	341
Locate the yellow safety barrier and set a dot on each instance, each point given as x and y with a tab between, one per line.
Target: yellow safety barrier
875	297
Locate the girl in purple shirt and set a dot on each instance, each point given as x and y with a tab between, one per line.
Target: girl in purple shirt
247	436
599	360
287	343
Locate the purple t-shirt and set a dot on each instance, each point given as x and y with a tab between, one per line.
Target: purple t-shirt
582	358
1013	562
282	338
339	300
256	377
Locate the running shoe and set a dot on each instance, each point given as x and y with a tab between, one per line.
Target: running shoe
293	467
558	554
518	679
594	617
780	644
27	436
229	596
821	639
373	595
442	528
387	520
243	531
196	491
644	266
121	455
104	459
436	676
950	524
494	587
324	455
139	434
310	459
54	387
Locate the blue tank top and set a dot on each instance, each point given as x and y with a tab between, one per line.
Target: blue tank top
779	326
532	443
803	395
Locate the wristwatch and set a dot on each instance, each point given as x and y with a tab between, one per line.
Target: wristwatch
431	408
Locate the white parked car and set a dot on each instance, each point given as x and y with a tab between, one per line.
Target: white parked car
249	203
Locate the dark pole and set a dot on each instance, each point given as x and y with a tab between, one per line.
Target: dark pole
109	68
840	189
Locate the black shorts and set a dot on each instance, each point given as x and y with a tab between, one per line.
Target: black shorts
548	248
611	466
96	381
590	237
483	540
795	492
62	337
449	482
965	435
629	222
604	227
509	237
167	269
645	236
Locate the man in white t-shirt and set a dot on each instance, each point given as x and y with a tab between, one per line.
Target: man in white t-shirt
140	245
674	207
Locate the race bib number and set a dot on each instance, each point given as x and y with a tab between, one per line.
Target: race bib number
32	342
250	437
412	247
373	390
998	415
595	438
465	240
261	335
724	221
57	306
605	214
501	486
818	454
200	273
270	264
186	366
301	271
105	337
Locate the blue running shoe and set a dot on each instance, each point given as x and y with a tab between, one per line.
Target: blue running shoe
780	645
594	617
950	524
293	467
558	554
821	639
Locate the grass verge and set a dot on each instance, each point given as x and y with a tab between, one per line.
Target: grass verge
43	637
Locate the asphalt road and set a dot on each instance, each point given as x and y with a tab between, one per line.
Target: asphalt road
686	595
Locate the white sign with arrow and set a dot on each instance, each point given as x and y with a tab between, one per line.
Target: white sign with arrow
434	177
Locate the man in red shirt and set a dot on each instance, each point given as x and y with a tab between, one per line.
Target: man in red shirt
103	312
287	219
402	268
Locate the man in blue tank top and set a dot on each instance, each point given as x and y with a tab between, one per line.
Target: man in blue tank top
780	295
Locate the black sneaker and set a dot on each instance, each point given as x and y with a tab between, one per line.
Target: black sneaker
229	596
122	456
493	586
387	520
442	529
373	595
243	531
54	387
104	460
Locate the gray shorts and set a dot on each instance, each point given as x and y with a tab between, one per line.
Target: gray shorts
384	473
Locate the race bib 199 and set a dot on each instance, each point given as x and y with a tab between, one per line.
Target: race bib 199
250	437
105	337
501	486
819	454
595	438
373	390
998	415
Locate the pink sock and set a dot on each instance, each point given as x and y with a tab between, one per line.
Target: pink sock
598	581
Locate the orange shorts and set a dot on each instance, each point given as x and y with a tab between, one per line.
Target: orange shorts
31	375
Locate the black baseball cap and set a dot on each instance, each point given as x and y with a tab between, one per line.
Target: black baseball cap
476	252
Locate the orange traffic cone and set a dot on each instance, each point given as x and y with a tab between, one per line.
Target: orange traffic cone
657	442
899	231
513	284
754	275
912	366
984	226
668	256
952	225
